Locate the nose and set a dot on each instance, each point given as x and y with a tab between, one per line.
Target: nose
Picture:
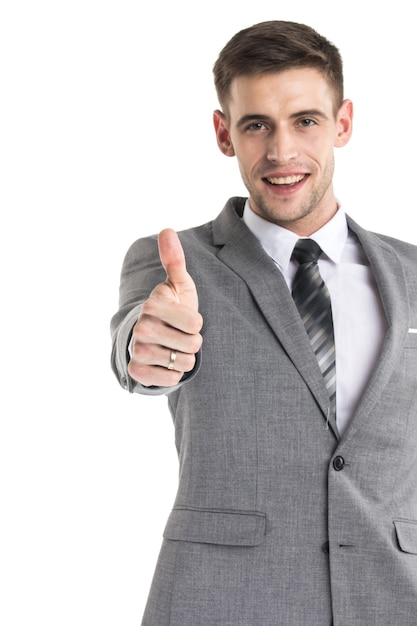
281	147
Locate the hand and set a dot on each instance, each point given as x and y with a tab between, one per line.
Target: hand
169	321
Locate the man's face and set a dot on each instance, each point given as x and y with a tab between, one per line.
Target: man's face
283	128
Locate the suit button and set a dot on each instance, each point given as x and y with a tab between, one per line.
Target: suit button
338	463
325	547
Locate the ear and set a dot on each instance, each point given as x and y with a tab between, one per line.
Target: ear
344	120
222	133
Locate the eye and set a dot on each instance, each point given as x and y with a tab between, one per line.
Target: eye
256	126
306	122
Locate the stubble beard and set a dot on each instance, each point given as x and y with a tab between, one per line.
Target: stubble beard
285	211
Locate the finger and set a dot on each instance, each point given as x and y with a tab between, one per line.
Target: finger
155	365
159	312
153	355
150	375
173	261
150	330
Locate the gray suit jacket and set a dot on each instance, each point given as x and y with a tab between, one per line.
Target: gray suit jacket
278	520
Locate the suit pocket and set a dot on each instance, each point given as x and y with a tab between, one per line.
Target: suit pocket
411	340
232	528
406	531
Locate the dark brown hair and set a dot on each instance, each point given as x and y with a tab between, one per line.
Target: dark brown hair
275	46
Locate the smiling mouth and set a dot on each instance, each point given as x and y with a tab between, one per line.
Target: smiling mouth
285	180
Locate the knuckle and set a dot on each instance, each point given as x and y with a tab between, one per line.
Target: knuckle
188	362
195	343
142	331
175	378
197	323
142	352
148	306
136	372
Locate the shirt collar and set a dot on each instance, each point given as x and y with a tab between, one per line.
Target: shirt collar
279	242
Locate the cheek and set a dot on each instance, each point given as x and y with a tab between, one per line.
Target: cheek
249	154
321	152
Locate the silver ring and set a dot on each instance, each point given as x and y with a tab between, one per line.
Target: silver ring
172	358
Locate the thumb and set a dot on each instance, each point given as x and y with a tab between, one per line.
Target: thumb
172	258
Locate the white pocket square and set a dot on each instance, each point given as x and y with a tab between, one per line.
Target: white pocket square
412	330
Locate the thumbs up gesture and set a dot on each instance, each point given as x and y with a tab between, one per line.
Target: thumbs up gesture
166	336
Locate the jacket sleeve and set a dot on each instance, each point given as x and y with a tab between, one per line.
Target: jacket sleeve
141	272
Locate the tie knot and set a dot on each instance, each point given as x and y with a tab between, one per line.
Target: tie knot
306	251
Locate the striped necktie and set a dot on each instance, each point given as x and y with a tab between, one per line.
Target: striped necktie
312	299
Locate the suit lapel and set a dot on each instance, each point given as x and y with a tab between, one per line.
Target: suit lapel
241	251
391	283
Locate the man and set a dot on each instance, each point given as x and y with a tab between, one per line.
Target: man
297	499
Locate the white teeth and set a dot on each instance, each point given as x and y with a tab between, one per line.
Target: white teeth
286	180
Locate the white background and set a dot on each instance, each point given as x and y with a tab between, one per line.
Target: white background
106	135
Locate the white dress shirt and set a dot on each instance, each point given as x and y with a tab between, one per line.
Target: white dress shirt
358	317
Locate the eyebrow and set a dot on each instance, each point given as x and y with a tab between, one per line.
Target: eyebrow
310	113
255	117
